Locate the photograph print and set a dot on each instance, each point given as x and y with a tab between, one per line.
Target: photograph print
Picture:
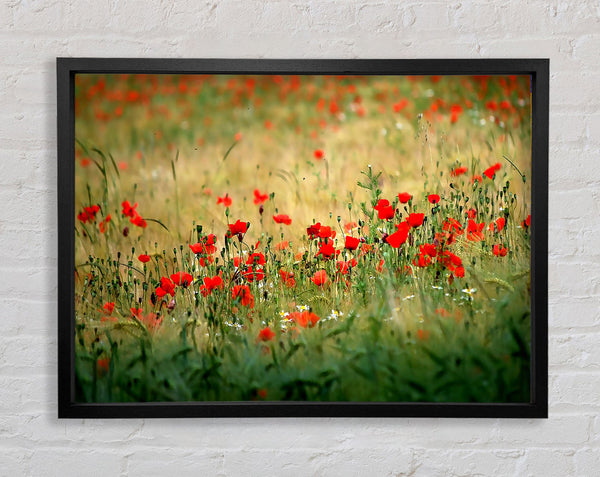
302	238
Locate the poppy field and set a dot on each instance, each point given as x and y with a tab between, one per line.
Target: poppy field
302	238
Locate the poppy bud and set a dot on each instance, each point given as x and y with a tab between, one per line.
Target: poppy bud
261	209
125	231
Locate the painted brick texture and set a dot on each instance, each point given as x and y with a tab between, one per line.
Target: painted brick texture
32	440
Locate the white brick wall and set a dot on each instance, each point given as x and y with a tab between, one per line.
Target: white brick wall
33	442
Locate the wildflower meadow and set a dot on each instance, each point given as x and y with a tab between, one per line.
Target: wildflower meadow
303	238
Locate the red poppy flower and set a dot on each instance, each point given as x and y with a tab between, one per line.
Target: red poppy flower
459	271
428	249
384	209
166	286
237	261
452	225
399	237
455	112
128	209
136	312
242	292
210	284
474	230
442	312
144	258
326	232
499	250
262	393
333	107
348	226
415	220
282	219
237	136
282	245
456	108
504	104
205	260
422	261
320	278
139	221
400	105
152	321
491	105
343	266
109	306
210	239
102	224
450	261
526	222
379	266
88	214
454	259
459	171
404	197
226	201
498	225
201	248
351	243
254	274
433	198
257	258
327	250
239	229
476	178
366	248
304	318
287	278
313	230
472	213
266	334
103	366
182	278
319	154
260	198
311	317
489	172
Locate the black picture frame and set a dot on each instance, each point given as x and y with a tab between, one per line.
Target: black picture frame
67	68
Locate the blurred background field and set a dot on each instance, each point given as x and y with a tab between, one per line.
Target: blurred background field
192	150
161	125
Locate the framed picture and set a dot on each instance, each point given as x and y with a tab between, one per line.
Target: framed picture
302	237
